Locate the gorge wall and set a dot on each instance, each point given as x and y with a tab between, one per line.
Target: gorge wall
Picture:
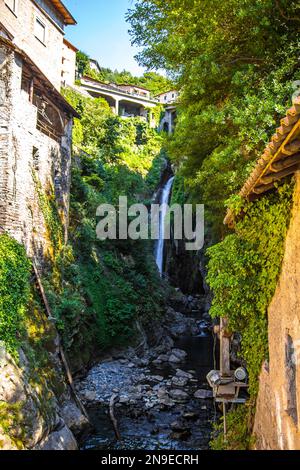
278	406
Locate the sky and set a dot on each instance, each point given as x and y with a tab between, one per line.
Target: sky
102	32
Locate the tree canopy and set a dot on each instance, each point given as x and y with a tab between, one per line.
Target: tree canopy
236	63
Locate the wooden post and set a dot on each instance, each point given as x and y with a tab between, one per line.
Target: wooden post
31	90
224	348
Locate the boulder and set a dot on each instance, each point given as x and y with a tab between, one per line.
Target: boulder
73	417
179	395
184	374
179	382
177	355
203	394
62	439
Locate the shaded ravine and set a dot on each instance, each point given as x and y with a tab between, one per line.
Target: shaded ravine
164	401
162	404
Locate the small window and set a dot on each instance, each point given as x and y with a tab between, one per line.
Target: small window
40	30
12	5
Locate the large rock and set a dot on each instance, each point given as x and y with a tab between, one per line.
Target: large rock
33	415
177	356
179	396
179	382
184	374
74	417
203	394
58	440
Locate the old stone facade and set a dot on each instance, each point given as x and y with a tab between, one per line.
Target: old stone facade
277	421
35	143
35	120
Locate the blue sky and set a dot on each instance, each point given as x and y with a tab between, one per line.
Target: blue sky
102	32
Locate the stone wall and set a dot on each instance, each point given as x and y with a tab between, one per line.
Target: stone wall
24	150
277	421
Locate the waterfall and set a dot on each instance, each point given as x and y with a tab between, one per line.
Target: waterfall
165	197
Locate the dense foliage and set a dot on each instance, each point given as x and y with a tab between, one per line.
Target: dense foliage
243	271
237	65
14	291
105	287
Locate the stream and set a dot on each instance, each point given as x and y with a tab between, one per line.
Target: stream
163	399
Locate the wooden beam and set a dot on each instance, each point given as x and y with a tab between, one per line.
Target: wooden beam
291	147
272	178
287	162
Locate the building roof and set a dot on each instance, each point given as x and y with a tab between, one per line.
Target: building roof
134	86
62	9
47	86
280	159
70	45
166	92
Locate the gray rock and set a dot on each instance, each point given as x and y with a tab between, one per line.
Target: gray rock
161	358
58	440
124	399
203	394
177	356
180	382
179	395
155	378
174	359
88	395
73	417
185	375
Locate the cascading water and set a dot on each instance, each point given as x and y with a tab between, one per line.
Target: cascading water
165	197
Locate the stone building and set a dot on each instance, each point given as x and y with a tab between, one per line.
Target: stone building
68	72
169	100
277	420
169	97
125	100
35	119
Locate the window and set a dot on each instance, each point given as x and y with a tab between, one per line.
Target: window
40	30
12	5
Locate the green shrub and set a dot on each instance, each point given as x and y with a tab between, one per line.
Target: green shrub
14	291
243	271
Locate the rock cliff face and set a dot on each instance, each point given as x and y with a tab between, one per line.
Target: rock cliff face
32	416
278	408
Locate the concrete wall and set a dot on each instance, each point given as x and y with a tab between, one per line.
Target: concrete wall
135	90
47	56
68	65
169	97
20	213
168	121
277	421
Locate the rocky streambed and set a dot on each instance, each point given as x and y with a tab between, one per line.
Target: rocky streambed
162	400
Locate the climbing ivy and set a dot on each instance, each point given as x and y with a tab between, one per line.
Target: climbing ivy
14	292
243	271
